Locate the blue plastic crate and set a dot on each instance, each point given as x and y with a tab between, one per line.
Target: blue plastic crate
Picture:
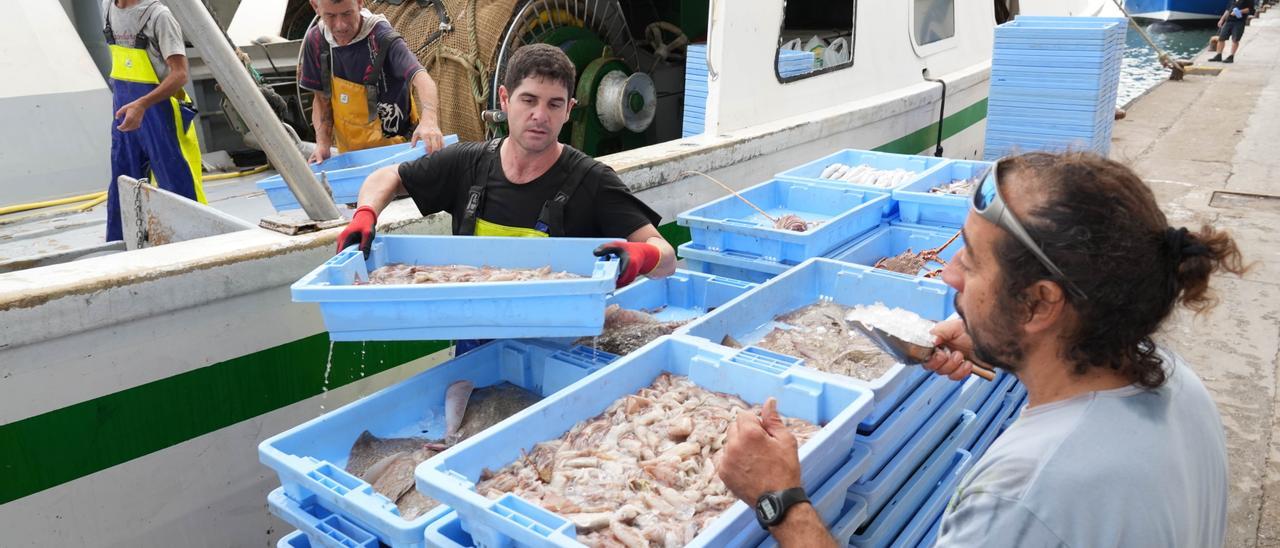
730	264
812	171
447	532
917	205
1009	403
1084	129
889	471
296	539
728	224
310	459
1084	30
1054	121
889	241
345	172
489	310
852	517
751	317
943	469
829	499
450	476
906	419
322	527
989	412
931	511
931	536
684	295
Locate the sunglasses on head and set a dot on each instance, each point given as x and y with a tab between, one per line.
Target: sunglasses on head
988	204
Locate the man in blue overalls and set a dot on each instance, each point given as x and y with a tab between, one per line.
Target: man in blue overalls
153	135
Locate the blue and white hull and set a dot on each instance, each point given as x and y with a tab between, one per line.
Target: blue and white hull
1176	10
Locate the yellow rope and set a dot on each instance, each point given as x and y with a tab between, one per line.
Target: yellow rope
233	175
50	203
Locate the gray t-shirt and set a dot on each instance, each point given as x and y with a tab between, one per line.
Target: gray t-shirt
1125	467
155	19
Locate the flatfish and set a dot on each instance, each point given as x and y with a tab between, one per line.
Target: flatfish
388	463
626	330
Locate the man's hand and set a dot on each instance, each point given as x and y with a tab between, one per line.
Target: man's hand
1235	12
132	114
636	259
361	230
954	347
760	455
429	133
320	154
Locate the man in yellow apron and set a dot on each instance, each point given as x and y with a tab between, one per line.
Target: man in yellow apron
527	184
153	135
361	73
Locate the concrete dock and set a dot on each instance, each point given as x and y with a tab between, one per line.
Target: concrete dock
1209	146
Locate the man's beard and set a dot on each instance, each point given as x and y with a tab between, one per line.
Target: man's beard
1000	345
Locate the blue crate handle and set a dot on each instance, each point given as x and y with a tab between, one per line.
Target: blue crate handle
764	360
731	282
343	531
324	476
345	255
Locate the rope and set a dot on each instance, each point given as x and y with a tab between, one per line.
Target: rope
1166	60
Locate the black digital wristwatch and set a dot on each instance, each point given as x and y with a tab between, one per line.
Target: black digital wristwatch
772	507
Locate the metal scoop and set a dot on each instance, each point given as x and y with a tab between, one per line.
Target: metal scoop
907	352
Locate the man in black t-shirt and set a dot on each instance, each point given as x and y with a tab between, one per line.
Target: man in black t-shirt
527	184
1232	24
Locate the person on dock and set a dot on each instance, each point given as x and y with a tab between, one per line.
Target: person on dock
363	76
1069	269
153	135
1232	24
527	184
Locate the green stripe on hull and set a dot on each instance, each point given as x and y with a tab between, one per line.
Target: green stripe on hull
72	442
926	137
59	446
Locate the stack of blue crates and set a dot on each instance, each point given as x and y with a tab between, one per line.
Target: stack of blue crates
794	63
769	253
695	90
1053	85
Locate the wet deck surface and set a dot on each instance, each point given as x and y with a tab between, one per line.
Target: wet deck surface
1208	146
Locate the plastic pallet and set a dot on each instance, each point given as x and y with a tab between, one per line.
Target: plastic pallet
728	224
310	458
486	310
750	317
450	476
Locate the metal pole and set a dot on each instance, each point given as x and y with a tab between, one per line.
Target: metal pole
199	27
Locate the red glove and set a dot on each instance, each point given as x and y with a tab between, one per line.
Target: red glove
636	258
364	224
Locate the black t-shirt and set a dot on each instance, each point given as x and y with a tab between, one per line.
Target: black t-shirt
601	207
1243	5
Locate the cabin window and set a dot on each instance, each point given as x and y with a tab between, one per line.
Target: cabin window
816	38
934	20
